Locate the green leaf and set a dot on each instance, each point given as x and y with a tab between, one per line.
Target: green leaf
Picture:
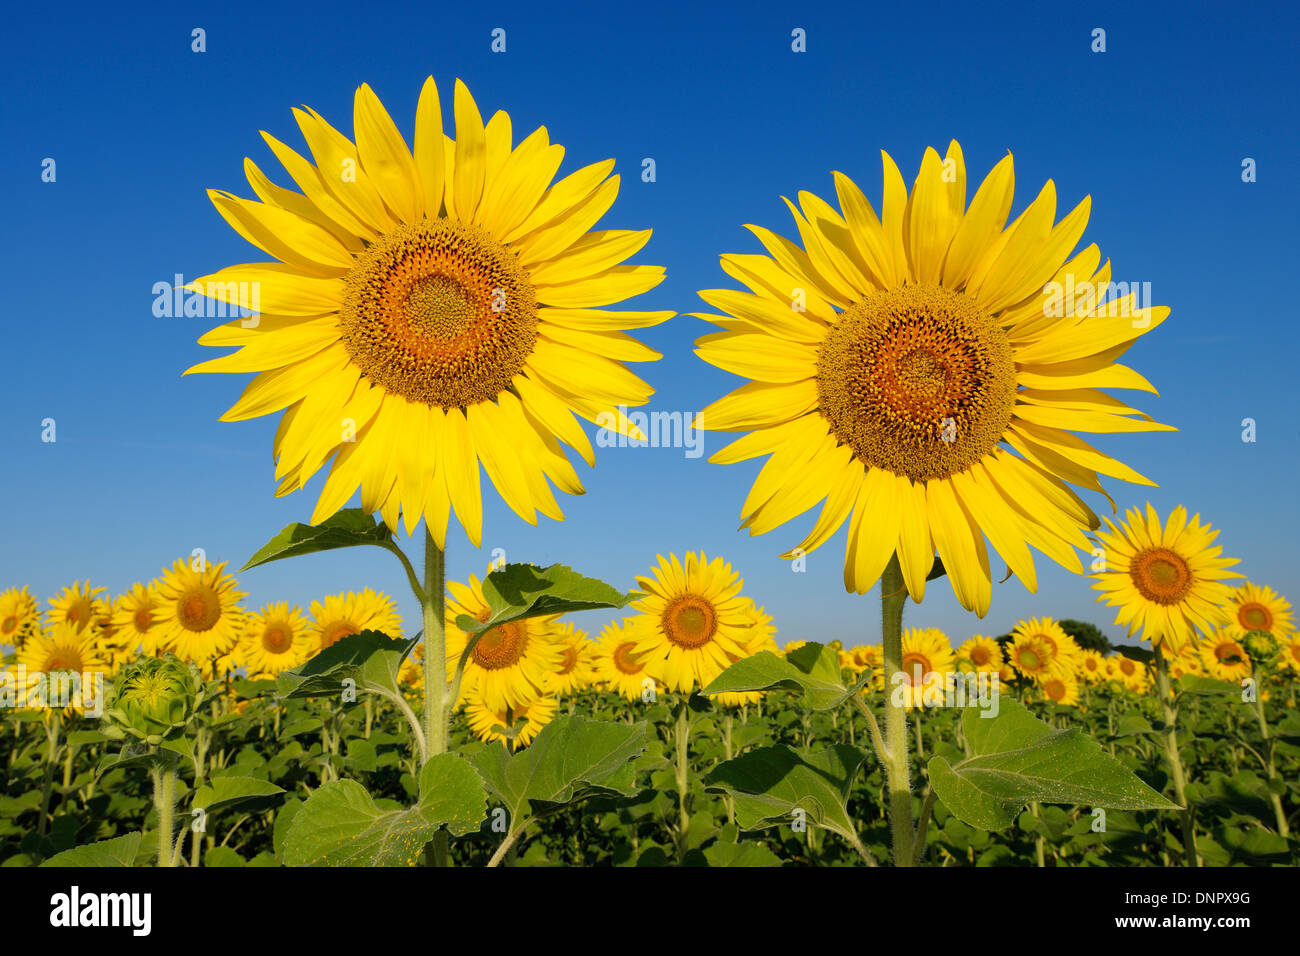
740	854
572	758
1206	686
340	824
1133	652
119	851
767	785
519	591
345	529
223	856
813	670
1131	725
370	658
1018	759
229	791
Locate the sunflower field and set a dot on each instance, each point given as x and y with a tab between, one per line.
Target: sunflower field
439	314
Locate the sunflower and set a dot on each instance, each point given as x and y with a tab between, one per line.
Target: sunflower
694	622
274	640
135	618
1224	657
1091	666
791	646
78	605
20	616
576	670
484	720
342	615
618	664
1062	689
1062	652
512	664
1032	657
1291	653
198	615
1167	581
920	372
980	654
441	303
1254	607
867	656
1132	674
927	660
62	648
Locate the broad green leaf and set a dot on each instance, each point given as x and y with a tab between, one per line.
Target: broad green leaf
1205	686
1133	652
572	758
119	851
740	854
370	659
1131	725
769	784
1018	759
228	791
340	824
345	529
223	856
813	670
518	591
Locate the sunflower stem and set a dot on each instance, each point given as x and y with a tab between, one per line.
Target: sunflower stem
435	670
164	801
1270	767
895	757
1170	712
682	769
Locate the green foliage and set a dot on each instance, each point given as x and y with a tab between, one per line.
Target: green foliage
153	700
345	529
1088	636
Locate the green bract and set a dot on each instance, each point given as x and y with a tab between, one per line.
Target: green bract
154	699
1262	646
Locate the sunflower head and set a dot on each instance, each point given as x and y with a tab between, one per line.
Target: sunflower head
922	371
694	620
20	616
1167	579
198	612
443	296
154	699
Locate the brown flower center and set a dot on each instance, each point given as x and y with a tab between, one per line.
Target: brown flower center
501	646
917	380
198	608
1255	617
690	621
1160	575
439	312
626	660
277	638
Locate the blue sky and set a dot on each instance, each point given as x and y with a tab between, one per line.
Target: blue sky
1155	129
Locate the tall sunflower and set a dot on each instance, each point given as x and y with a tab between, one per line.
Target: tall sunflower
694	621
576	670
1032	657
1063	654
1224	657
1168	581
431	309
135	617
20	616
341	615
511	664
1254	607
274	640
79	605
980	654
927	659
62	648
920	372
198	616
618	664
1062	689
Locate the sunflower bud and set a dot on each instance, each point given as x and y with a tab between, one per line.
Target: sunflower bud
154	699
1262	646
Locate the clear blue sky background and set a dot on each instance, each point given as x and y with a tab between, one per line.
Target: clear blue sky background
1155	129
